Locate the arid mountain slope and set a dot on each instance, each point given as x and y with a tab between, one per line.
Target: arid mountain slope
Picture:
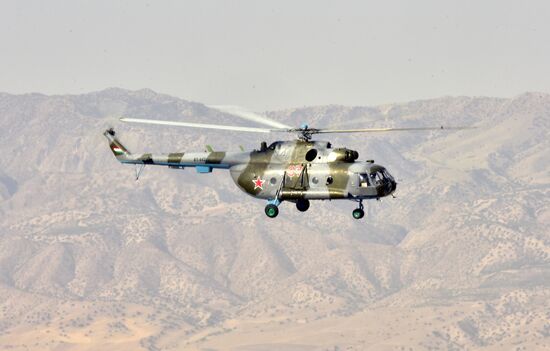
90	258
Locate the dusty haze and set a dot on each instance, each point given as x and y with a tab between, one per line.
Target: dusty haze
91	259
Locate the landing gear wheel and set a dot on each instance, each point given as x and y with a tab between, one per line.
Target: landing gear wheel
271	211
358	213
302	205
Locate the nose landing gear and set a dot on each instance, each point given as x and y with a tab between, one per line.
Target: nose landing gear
359	213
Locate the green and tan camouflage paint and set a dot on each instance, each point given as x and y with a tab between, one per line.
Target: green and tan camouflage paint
280	171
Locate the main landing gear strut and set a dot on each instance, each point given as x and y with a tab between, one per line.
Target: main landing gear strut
272	207
359	213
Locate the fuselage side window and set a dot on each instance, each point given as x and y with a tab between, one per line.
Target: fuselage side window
363	180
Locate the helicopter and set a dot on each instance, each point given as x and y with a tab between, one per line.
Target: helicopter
297	171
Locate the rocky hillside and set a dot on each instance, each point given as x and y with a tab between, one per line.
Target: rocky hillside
89	257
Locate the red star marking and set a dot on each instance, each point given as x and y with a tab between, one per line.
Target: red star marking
258	183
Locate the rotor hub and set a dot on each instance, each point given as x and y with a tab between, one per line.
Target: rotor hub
305	133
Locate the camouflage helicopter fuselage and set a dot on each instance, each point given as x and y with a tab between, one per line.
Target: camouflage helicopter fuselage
296	171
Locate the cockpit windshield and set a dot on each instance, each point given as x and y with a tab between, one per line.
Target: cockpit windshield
380	176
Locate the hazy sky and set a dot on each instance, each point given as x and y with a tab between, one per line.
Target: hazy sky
275	54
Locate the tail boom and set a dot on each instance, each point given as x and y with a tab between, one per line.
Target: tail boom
204	162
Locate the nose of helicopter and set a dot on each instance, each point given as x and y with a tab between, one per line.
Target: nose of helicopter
385	183
392	184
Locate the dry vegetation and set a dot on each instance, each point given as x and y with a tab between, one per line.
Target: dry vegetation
91	259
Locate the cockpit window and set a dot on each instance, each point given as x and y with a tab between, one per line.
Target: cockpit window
273	145
380	176
387	175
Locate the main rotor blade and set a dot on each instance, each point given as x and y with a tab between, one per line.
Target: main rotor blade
196	125
379	130
249	115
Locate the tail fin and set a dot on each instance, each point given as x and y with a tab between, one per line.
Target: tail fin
120	152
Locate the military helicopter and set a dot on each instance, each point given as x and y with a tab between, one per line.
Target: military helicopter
295	171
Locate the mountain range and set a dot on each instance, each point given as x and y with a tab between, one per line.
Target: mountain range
92	259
